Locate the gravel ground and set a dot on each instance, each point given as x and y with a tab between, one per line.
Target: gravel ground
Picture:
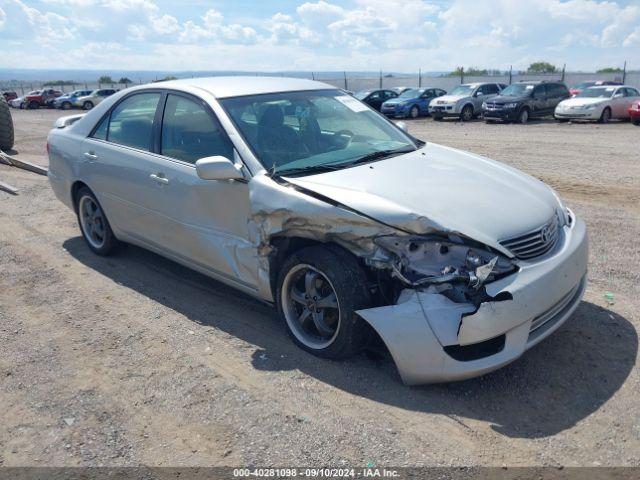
135	360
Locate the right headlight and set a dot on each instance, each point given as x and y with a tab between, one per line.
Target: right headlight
419	260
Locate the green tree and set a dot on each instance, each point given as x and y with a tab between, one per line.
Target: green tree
609	70
125	80
541	67
105	79
470	71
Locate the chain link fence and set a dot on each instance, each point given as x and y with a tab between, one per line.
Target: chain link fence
354	82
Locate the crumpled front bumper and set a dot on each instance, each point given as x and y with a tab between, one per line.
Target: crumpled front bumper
543	295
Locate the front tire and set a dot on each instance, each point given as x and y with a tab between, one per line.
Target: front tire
66	106
93	223
414	112
319	290
33	105
467	113
523	116
87	105
605	116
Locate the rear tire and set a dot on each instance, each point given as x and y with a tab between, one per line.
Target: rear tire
6	126
87	105
467	113
414	112
333	278
605	116
33	105
93	223
66	106
436	118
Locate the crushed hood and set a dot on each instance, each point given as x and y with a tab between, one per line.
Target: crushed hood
443	189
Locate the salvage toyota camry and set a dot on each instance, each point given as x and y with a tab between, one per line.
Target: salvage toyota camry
302	196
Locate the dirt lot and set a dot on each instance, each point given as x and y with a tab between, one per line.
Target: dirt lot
136	360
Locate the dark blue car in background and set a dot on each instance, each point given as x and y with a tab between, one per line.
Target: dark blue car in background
411	103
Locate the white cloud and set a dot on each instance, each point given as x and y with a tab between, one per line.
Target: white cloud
326	34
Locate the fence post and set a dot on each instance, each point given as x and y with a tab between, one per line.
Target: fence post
419	77
461	75
380	82
563	69
624	72
313	77
510	74
346	87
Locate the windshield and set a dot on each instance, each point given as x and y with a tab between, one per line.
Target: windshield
462	90
597	92
362	94
411	93
517	89
319	129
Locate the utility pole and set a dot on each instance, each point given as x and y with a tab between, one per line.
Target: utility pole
564	67
419	77
510	74
624	72
346	87
380	86
461	75
313	77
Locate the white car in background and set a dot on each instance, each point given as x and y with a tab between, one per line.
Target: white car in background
598	103
464	101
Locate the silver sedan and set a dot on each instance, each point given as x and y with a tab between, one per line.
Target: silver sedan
302	196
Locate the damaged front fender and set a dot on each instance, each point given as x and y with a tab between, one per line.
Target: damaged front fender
541	297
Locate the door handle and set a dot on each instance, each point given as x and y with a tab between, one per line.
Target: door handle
90	156
160	178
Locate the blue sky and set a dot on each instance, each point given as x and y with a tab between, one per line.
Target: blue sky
321	35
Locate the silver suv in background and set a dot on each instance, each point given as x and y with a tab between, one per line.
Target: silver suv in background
464	101
94	98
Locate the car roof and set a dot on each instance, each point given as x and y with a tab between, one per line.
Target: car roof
235	86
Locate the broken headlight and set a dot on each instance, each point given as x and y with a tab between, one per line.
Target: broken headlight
420	261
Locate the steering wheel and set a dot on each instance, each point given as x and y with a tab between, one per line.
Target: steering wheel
345	133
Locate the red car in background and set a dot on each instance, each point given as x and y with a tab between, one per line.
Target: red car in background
8	96
40	99
634	113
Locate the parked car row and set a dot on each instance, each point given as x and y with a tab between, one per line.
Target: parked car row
85	99
519	102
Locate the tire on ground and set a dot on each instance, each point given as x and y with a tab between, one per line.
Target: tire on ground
6	126
350	284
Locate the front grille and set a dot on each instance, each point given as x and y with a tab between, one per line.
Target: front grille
536	242
494	106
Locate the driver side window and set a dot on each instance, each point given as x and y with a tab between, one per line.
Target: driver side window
191	132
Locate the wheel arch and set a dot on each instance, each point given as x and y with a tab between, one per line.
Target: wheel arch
284	246
75	188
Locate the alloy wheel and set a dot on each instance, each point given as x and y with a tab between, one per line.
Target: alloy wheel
92	221
310	306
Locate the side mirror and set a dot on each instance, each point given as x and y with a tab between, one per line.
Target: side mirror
618	95
403	126
479	94
218	168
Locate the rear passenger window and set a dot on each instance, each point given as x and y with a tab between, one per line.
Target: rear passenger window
131	121
190	132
